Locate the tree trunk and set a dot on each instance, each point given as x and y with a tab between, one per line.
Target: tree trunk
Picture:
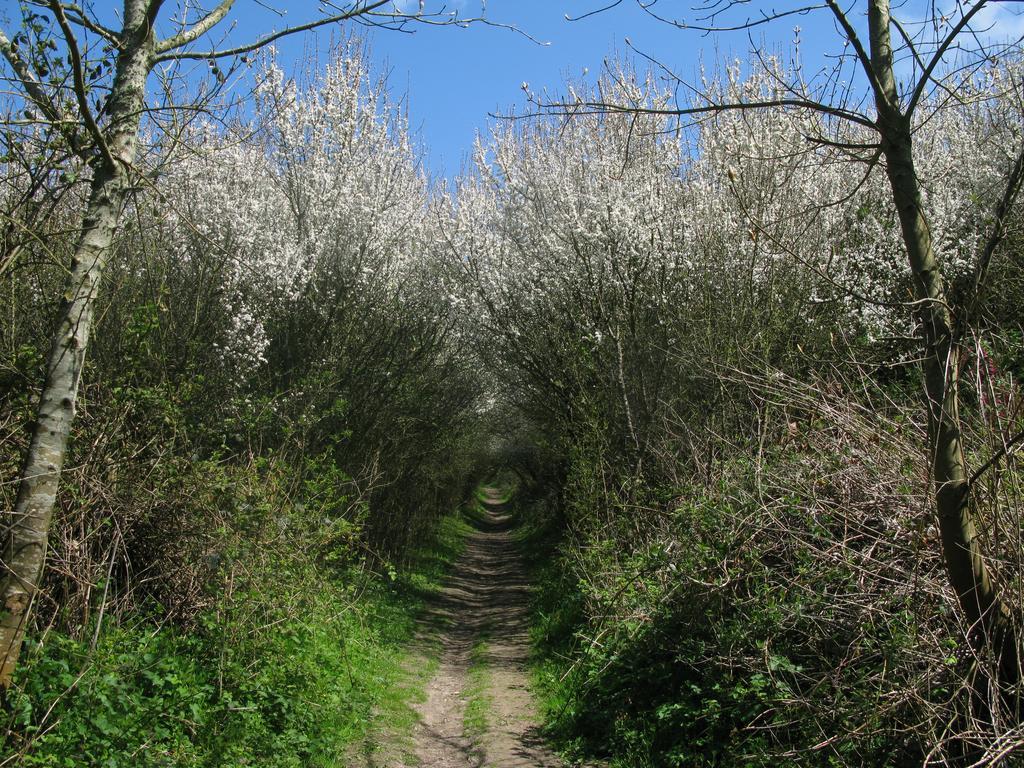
965	561
25	541
992	630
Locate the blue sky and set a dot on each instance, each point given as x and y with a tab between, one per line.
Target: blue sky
456	78
453	78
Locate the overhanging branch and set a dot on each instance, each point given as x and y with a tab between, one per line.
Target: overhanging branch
600	107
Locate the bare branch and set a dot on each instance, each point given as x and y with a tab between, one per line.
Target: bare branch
909	42
197	30
35	90
79	78
1014	181
352	13
926	75
862	54
600	107
845	145
76	15
766	18
1008	448
594	12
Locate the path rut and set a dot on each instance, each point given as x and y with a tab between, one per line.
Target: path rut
486	599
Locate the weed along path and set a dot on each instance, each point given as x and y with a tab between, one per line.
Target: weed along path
478	709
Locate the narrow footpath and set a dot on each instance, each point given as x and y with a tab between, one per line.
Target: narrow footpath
480	620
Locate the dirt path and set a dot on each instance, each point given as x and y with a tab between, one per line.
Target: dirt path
481	622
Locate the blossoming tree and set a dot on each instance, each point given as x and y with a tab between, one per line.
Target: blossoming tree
91	83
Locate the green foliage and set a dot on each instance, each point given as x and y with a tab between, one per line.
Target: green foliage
135	688
722	641
289	667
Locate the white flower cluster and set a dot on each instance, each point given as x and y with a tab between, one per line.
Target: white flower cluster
571	227
321	179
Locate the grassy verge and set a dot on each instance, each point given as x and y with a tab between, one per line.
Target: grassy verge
556	616
433	562
477	692
298	662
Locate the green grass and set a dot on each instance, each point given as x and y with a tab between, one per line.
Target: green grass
394	716
477	692
391	728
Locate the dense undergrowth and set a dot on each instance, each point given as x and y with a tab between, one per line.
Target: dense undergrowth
739	635
757	602
297	664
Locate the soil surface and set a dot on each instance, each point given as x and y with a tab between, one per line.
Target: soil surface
484	605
